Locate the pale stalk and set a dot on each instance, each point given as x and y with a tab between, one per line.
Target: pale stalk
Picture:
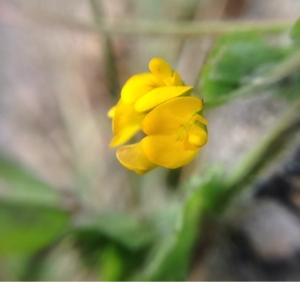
285	129
140	27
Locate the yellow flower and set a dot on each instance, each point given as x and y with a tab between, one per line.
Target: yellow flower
174	126
175	132
140	94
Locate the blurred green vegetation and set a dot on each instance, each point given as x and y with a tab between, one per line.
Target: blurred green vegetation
158	245
237	60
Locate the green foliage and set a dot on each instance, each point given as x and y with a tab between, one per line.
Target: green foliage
124	229
30	217
111	264
24	186
170	259
212	185
295	32
289	87
28	228
236	60
116	243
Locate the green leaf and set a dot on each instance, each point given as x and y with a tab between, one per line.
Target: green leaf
295	32
111	264
27	228
20	184
124	229
212	186
171	257
13	266
237	60
115	242
289	87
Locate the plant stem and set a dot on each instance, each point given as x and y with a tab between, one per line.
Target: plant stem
194	29
265	151
185	29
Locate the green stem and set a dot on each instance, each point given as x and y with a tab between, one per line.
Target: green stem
193	29
266	150
185	29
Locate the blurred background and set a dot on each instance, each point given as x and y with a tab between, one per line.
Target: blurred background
62	65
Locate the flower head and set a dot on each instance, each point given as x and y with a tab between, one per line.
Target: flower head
140	94
159	104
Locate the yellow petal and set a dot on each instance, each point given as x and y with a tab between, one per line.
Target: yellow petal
126	123
137	86
167	150
186	145
160	68
112	111
197	136
174	80
133	158
201	119
170	116
125	135
158	96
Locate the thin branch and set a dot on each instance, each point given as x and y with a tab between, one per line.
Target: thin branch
185	29
266	150
194	29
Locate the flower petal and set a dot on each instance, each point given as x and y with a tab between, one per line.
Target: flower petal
170	116
158	96
174	80
197	136
124	135
112	111
201	119
167	150
133	158
186	145
126	123
138	85
160	68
